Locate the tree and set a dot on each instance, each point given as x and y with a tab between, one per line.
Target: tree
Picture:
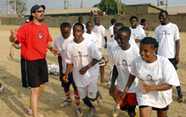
110	6
19	6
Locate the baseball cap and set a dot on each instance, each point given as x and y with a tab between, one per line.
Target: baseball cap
35	7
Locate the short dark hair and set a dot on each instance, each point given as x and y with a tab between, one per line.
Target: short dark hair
113	21
96	18
89	22
151	41
80	17
65	25
133	17
143	20
125	29
79	24
163	11
119	24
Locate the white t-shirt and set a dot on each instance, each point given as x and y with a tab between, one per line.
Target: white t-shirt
140	26
166	35
122	59
100	31
159	72
92	37
111	30
80	55
60	44
110	44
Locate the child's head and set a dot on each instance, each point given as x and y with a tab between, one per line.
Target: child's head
97	21
123	36
65	29
148	48
78	30
117	26
133	21
143	22
80	19
163	17
89	26
113	21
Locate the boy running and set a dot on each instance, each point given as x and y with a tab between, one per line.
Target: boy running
60	43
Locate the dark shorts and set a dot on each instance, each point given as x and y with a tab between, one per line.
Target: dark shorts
71	81
158	109
173	62
34	73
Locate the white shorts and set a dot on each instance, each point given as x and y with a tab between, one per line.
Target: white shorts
90	91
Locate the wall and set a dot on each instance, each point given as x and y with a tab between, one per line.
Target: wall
56	21
136	10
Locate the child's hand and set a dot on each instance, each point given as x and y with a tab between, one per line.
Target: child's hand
120	97
65	78
145	88
13	33
83	70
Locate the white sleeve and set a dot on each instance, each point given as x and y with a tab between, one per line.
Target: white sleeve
155	35
111	58
104	32
94	52
68	56
110	30
176	35
142	33
133	69
169	73
108	47
55	44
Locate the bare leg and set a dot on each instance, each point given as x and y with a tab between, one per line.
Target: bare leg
145	112
102	74
162	113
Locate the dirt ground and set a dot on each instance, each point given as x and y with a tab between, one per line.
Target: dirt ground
14	101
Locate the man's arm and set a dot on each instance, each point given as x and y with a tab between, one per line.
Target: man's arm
177	51
52	49
83	70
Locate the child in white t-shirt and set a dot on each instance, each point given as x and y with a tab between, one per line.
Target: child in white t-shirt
83	56
60	43
113	22
121	57
167	35
156	76
101	34
136	33
89	34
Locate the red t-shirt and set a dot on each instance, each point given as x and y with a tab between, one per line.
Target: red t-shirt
33	39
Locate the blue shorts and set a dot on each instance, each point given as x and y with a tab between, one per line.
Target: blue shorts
71	81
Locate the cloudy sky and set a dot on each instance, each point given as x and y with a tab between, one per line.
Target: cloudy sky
59	4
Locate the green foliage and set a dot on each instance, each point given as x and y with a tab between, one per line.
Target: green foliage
110	6
20	6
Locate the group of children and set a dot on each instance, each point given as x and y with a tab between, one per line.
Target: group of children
140	72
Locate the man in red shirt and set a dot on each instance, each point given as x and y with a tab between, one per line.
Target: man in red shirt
35	39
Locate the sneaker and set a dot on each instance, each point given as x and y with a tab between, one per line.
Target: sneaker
79	112
109	83
180	98
65	103
101	62
136	111
91	112
116	110
99	99
30	113
106	60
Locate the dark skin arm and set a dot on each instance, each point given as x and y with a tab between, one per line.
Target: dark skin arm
65	77
177	52
129	83
114	76
83	70
60	68
52	49
147	88
105	41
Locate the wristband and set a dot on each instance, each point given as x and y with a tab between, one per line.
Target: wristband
51	48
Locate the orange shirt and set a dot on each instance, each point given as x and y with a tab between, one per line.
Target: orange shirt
33	39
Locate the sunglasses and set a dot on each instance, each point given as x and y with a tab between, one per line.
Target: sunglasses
39	11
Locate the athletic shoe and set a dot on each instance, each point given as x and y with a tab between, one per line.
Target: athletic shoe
65	103
116	110
30	113
99	99
106	60
136	111
109	83
180	98
91	112
101	62
79	112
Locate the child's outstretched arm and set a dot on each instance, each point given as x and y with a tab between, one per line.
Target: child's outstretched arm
83	70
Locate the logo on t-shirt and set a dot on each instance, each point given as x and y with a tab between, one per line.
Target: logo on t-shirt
40	35
124	63
150	79
164	32
80	54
